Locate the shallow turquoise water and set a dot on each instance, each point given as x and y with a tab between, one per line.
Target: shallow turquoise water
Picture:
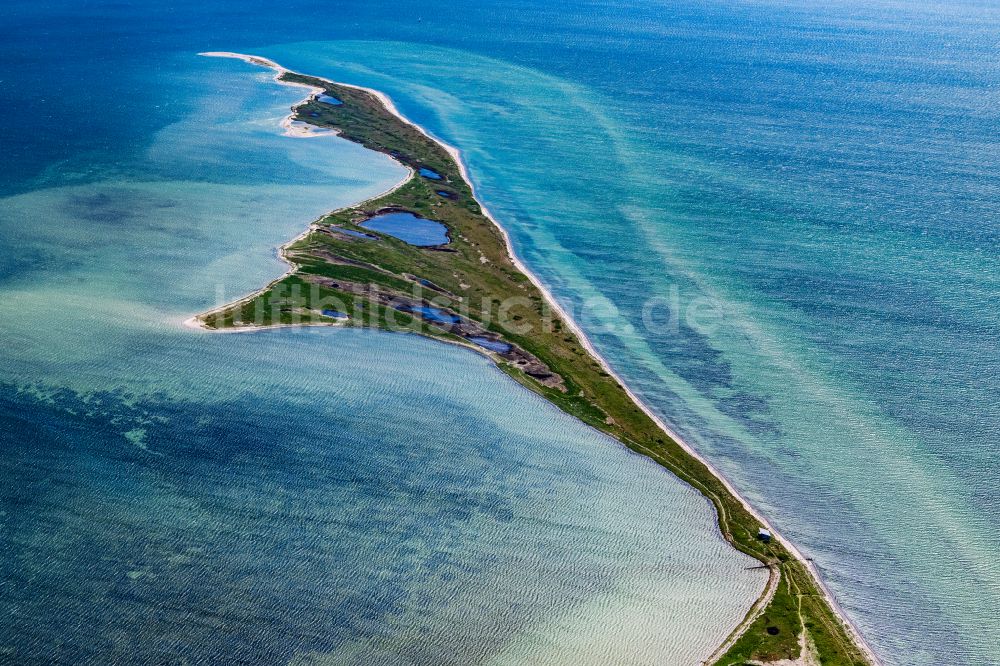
823	177
298	496
842	373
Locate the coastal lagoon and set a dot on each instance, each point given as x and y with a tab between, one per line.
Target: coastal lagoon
409	228
307	495
824	178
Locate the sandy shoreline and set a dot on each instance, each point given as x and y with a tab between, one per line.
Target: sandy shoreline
294	131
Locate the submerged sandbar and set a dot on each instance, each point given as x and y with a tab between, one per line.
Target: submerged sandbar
475	292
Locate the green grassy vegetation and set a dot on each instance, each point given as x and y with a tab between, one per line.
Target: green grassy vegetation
775	634
473	277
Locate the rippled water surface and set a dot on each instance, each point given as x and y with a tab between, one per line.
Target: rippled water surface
777	220
168	495
805	300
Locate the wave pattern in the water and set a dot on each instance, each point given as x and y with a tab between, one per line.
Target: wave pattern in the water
320	496
842	245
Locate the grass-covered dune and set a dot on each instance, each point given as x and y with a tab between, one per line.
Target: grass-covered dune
471	291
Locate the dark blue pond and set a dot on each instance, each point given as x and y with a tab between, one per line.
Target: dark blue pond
445	193
433	314
335	314
355	234
326	99
409	228
492	345
428	173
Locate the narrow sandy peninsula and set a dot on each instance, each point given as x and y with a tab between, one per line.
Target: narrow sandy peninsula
426	257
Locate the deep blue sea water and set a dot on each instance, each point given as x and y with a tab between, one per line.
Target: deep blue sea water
803	201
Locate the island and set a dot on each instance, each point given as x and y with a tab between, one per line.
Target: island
426	257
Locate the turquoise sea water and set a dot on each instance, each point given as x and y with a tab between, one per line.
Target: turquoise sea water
811	188
310	496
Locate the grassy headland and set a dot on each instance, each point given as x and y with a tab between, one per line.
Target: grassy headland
471	291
